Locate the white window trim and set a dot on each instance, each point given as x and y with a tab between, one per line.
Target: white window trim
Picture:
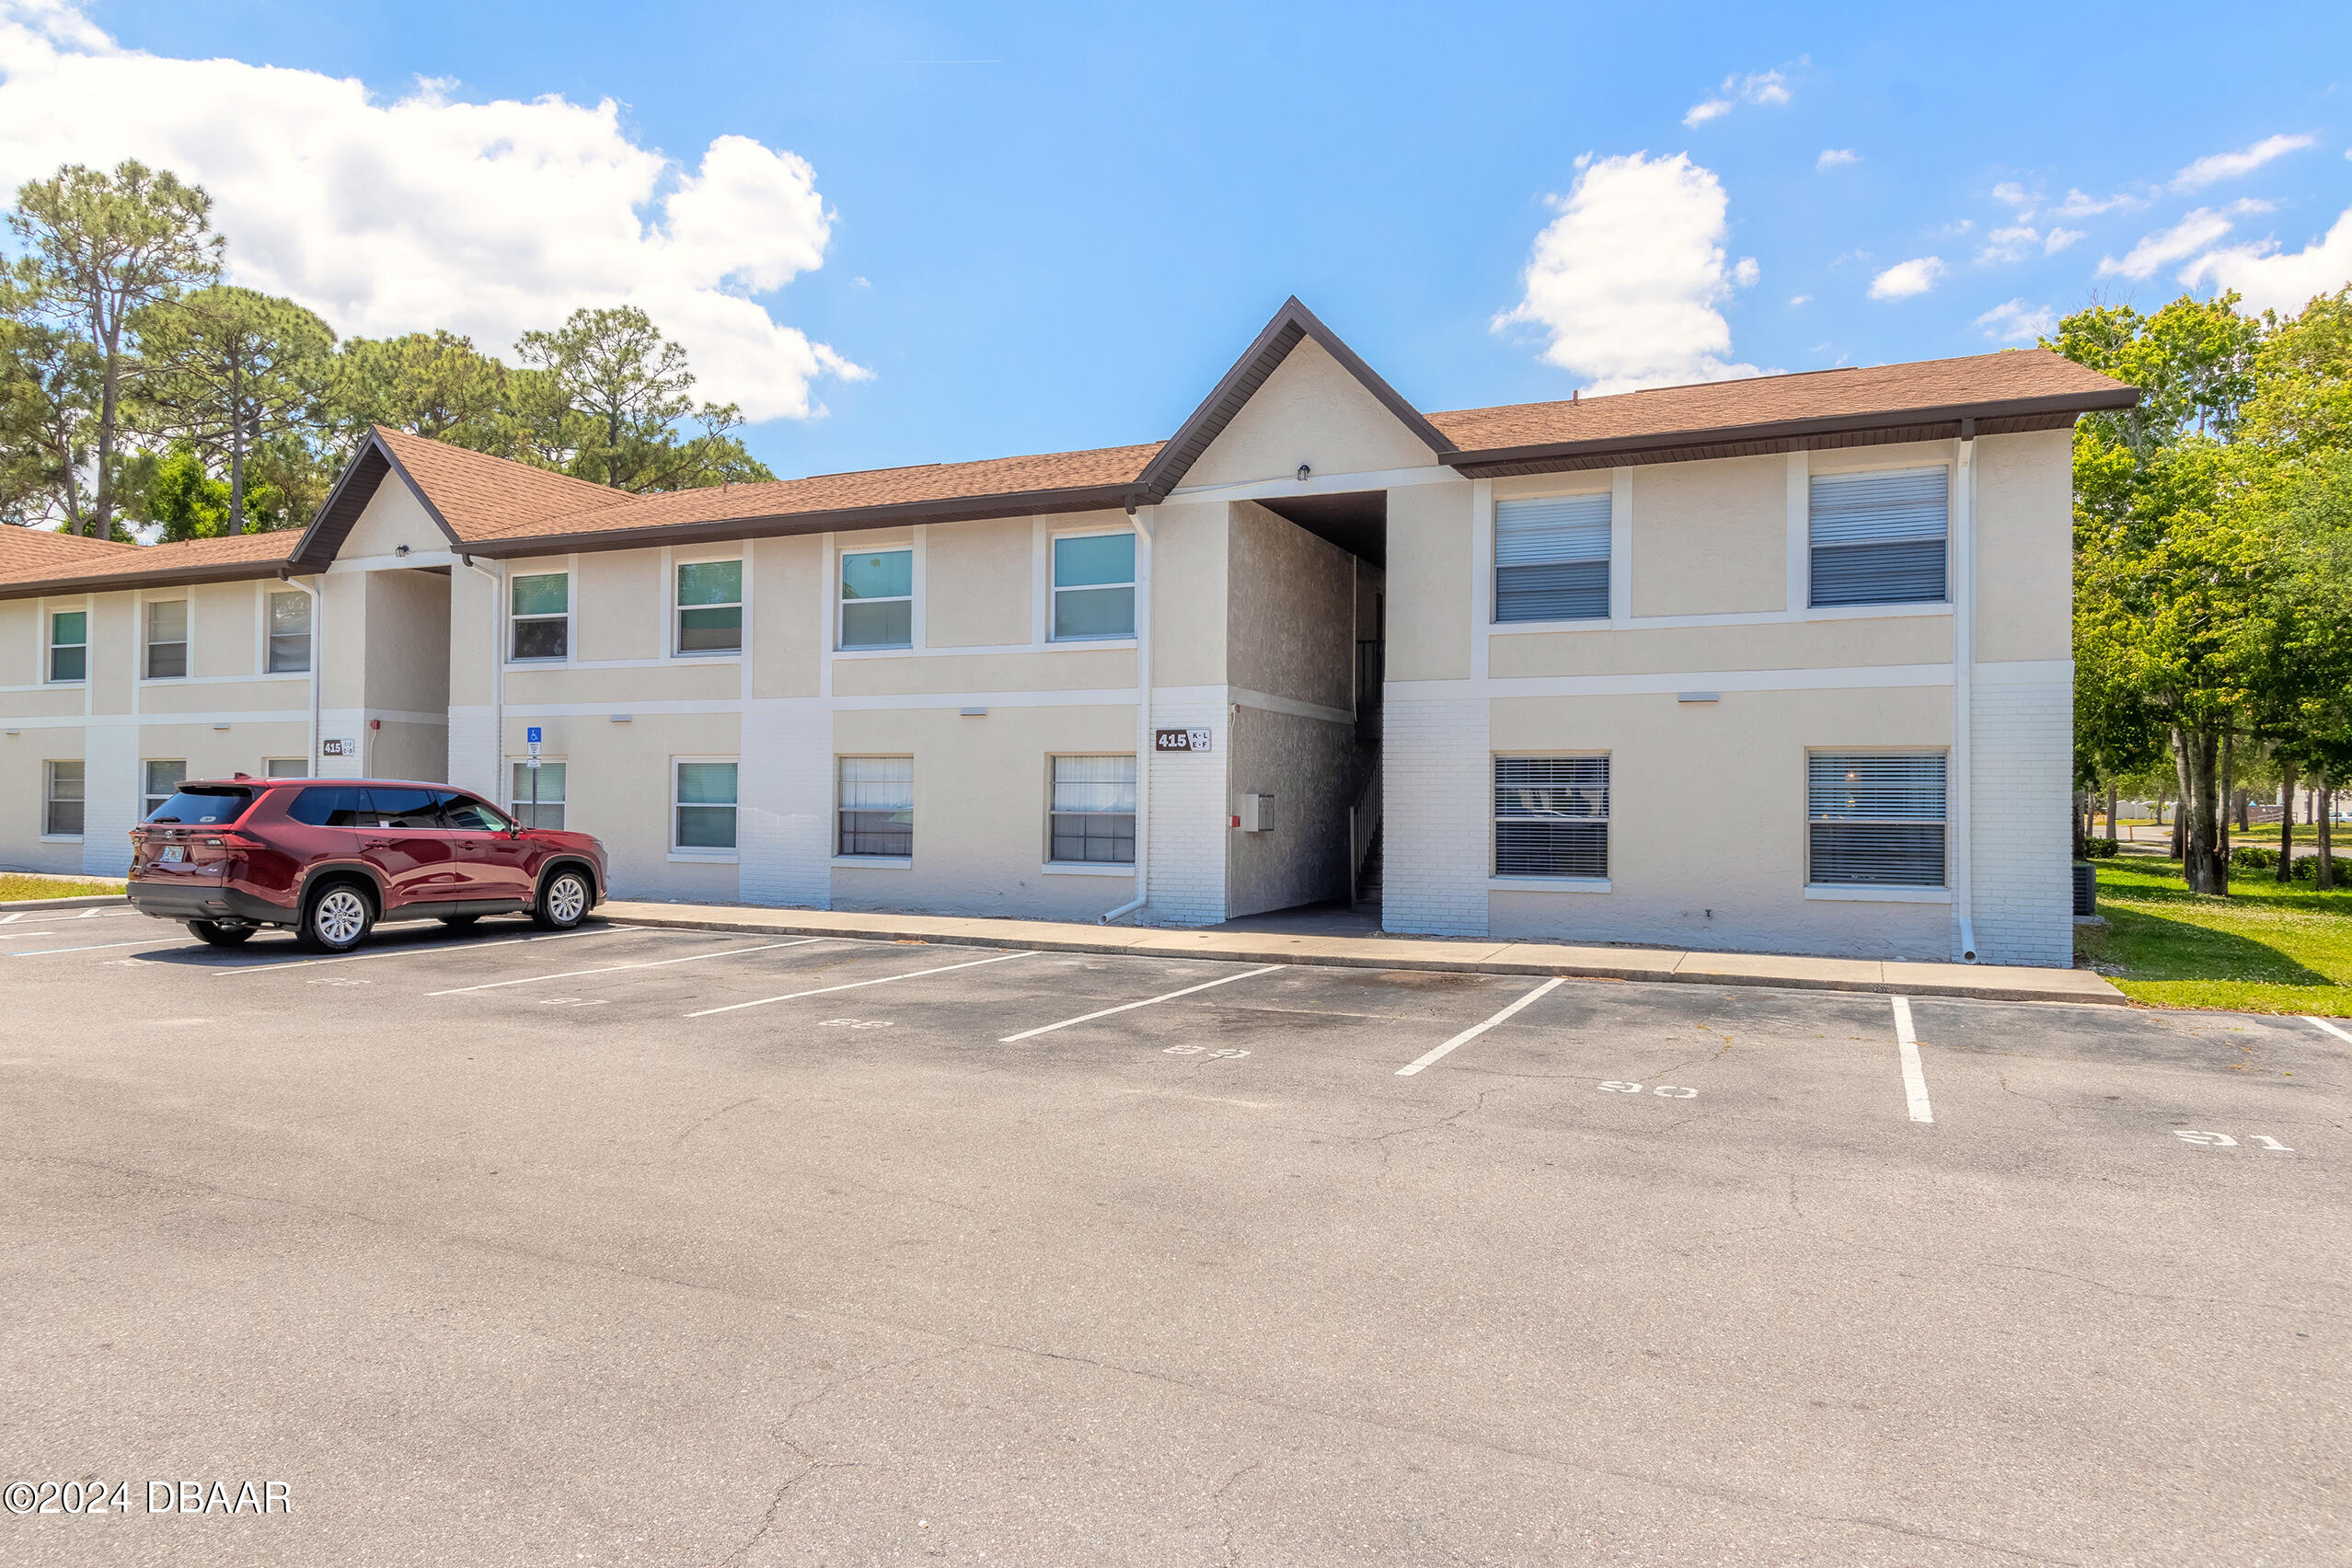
1800	570
1090	868
1863	893
1094	531
869	862
568	617
1495	879
855	860
146	612
1126	869
48	645
669	825
1548	884
914	599
49	783
270	587
672	562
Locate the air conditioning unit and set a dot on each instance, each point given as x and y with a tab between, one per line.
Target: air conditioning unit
1257	813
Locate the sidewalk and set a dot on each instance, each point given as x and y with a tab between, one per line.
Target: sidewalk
1987	982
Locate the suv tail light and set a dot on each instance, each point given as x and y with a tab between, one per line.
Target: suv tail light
234	841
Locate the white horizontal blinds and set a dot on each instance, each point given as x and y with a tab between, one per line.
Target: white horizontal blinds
62	818
1552	559
289	633
1875	818
1881	538
537	796
1094	809
878	805
168	640
1552	816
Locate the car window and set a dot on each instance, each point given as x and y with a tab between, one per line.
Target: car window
331	805
216	803
411	808
465	814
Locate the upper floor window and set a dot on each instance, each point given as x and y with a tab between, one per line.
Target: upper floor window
1881	538
289	633
541	615
1552	816
878	599
1552	559
711	606
1875	818
69	647
1094	586
166	640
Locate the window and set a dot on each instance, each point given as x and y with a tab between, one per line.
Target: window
411	809
1880	538
69	647
549	809
1875	818
878	599
542	605
163	782
168	640
1094	809
62	794
463	813
333	805
1552	816
711	606
1552	559
878	806
289	633
207	804
285	767
705	806
1094	586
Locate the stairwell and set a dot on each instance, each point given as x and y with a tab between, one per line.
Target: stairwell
1367	879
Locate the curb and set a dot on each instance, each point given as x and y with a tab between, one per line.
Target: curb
98	901
1275	953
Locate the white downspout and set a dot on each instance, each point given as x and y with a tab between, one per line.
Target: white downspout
498	783
1963	660
1143	720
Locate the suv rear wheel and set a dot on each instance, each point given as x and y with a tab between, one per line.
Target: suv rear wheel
338	919
563	902
218	935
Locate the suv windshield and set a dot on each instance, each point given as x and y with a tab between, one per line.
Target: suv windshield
209	804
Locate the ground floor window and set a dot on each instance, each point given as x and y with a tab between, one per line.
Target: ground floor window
1552	816
62	799
877	806
1875	818
547	810
1094	809
703	806
164	778
285	767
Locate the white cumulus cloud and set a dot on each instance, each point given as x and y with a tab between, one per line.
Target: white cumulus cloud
2218	167
396	215
1835	157
2011	244
1627	281
1768	87
2284	282
2018	322
2194	233
1905	279
2078	205
2058	240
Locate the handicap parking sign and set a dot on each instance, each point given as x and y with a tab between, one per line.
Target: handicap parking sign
532	734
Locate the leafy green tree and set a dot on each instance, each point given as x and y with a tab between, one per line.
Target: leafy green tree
2192	362
49	390
2303	402
97	249
177	491
229	369
431	384
606	398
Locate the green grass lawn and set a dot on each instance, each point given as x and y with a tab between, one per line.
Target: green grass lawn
15	887
2264	949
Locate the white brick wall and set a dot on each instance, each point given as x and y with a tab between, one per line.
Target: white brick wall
1433	816
784	818
2019	776
473	756
1188	819
113	802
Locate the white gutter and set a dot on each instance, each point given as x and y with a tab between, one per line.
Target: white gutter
497	579
1963	660
1143	720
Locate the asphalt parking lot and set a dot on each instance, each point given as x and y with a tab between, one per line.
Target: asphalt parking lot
628	1245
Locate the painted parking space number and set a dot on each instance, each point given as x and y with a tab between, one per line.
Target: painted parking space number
856	1023
1670	1090
1229	1053
2223	1140
573	1002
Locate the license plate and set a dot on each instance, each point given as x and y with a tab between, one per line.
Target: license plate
173	852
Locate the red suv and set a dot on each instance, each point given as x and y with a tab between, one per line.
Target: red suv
331	856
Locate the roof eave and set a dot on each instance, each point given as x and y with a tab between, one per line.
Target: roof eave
2058	407
160	577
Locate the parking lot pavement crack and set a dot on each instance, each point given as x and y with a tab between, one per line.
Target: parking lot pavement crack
700	1122
2056	1115
775	1506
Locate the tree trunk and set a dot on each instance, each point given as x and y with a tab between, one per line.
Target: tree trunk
236	450
2323	808
2180	803
2113	831
110	337
2225	795
2203	866
2287	822
2081	833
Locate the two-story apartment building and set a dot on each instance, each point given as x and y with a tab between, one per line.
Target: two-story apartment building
1511	660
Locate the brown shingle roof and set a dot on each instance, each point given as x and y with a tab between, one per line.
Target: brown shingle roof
481	496
69	565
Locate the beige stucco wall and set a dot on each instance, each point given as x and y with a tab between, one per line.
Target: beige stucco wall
289	692
1290	611
1710	538
1063	670
1707	805
1429	582
22	783
392	517
22	648
476	625
218	753
118	645
2026	546
1774	645
1310	410
1188	594
788	625
618	606
223	618
617	783
408	640
979	577
685	680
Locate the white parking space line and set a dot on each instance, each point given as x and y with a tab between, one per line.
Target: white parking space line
96	947
2323	1023
1130	1007
616	968
14	914
444	950
884	980
1474	1031
1914	1075
23	936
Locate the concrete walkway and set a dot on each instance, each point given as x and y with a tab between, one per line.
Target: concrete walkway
1988	982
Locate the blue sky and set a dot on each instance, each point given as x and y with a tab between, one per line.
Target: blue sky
1044	227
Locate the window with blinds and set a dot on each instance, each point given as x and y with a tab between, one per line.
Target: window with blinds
1552	559
1093	810
877	809
1875	818
1881	538
1552	816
